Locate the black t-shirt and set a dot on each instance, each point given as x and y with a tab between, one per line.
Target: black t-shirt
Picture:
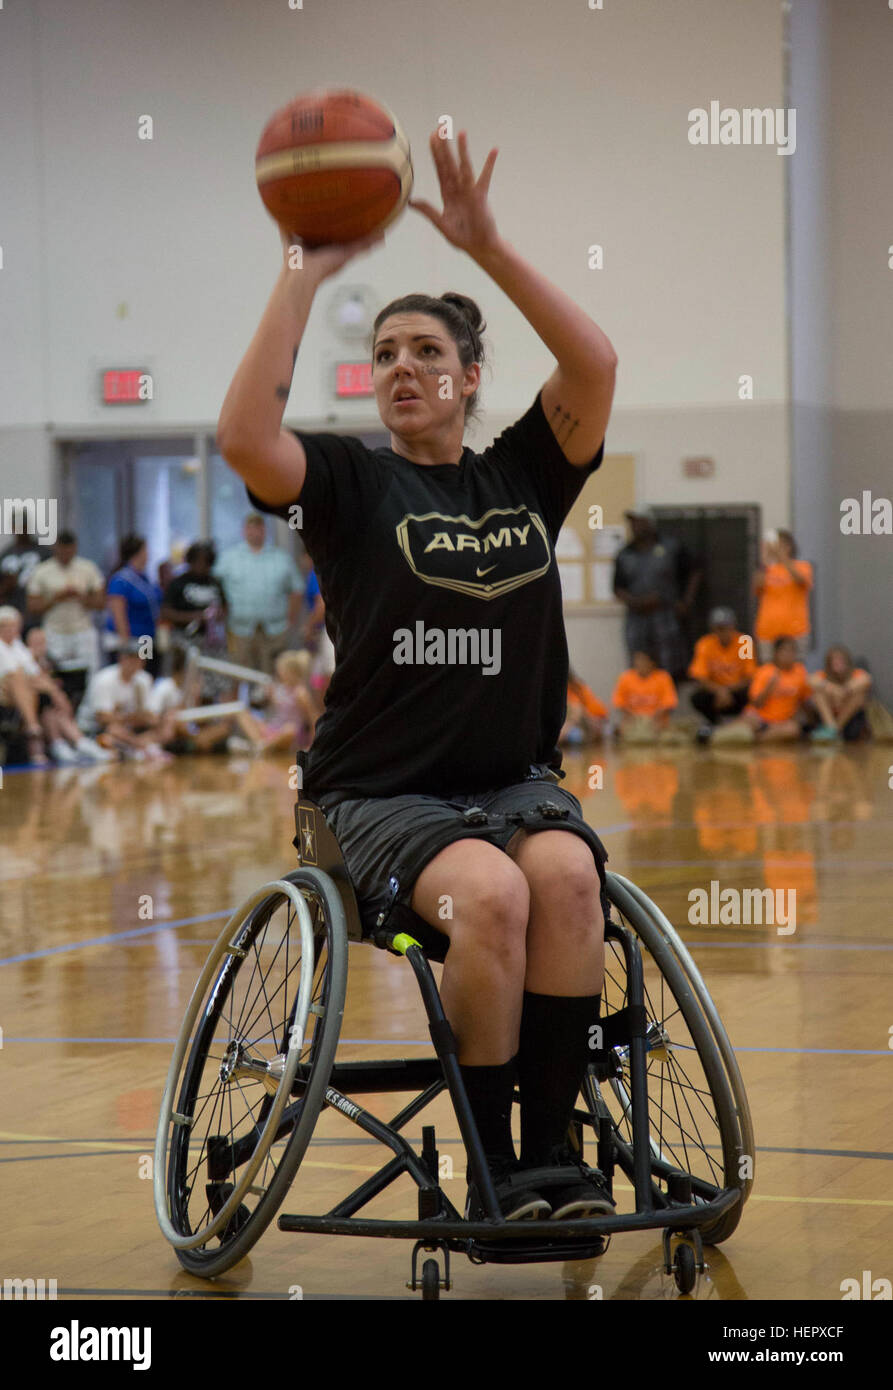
189	591
443	601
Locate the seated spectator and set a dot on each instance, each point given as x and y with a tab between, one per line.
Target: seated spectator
117	708
644	696
292	711
179	691
722	672
18	690
585	718
40	700
839	698
66	742
777	693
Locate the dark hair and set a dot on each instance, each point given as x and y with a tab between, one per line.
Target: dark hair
66	538
201	548
789	537
780	642
131	545
460	316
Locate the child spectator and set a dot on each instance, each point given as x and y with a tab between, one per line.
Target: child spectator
180	691
585	717
839	697
644	697
777	694
292	711
722	672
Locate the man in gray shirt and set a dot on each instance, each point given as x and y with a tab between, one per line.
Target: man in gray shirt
656	581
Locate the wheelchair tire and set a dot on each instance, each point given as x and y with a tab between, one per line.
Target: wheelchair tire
252	1063
679	1031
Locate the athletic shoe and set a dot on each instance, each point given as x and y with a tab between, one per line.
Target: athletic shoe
63	753
736	732
704	734
584	1194
236	744
88	749
516	1201
825	733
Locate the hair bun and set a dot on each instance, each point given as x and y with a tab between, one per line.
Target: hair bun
467	308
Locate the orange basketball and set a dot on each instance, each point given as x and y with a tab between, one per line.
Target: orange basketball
333	166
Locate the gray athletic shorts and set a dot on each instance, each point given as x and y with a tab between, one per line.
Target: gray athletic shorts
387	841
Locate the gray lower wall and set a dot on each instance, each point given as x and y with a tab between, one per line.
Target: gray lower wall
27	469
862	460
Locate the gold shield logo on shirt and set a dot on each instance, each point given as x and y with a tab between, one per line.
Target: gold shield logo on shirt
307	824
503	549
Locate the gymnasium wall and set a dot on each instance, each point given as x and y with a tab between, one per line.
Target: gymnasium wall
861	228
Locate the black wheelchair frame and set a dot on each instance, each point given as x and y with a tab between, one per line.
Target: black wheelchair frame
667	1198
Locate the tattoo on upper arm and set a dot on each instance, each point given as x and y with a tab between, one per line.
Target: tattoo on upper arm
283	389
563	424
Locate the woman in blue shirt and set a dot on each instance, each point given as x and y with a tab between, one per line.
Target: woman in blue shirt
134	601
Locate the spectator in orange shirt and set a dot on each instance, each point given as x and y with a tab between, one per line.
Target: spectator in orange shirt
782	584
585	717
777	694
644	697
722	669
839	695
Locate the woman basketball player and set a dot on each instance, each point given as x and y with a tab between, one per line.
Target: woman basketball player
443	599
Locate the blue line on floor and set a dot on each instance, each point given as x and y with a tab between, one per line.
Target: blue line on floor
113	937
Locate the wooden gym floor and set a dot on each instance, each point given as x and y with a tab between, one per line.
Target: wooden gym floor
92	993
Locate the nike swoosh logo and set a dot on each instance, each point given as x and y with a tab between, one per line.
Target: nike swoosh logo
480	573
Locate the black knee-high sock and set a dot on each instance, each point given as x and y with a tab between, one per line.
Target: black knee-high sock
552	1059
490	1091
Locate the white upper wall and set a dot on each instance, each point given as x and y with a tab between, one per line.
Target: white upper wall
130	252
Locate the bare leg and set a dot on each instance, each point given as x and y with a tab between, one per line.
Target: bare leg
488	901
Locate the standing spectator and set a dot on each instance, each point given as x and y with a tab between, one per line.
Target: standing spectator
17	563
195	600
722	672
133	601
64	592
839	696
782	584
263	592
655	579
644	696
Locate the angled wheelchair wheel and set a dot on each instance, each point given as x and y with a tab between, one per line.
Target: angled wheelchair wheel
698	1114
248	1077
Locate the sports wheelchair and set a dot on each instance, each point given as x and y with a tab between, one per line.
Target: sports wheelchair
254	1065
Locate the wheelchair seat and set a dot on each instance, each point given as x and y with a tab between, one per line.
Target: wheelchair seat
317	847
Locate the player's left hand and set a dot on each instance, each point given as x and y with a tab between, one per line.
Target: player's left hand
466	220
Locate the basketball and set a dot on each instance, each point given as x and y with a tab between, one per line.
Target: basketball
332	167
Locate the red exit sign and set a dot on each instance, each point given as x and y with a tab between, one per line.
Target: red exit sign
353	379
126	387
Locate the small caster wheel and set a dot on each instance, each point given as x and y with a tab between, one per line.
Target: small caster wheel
684	1268
430	1280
